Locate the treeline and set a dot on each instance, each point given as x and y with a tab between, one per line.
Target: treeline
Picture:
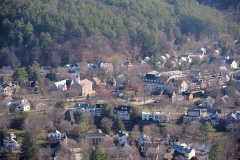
33	27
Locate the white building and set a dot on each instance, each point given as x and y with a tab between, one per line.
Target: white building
24	105
156	116
122	112
9	142
208	102
122	137
143	138
188	152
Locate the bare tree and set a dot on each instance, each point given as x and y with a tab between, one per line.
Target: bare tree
193	128
107	124
174	130
91	125
147	130
56	115
64	126
36	123
4	121
135	132
155	131
45	153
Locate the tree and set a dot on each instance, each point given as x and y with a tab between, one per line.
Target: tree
81	119
97	154
118	125
206	129
52	76
60	104
33	71
216	152
136	113
29	148
20	74
107	125
135	132
146	129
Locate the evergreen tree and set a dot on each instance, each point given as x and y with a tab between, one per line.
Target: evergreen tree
216	152
118	125
60	104
82	120
20	74
52	76
206	129
29	148
98	154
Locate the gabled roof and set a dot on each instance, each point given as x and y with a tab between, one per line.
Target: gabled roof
121	134
122	108
148	145
93	135
230	61
194	113
182	147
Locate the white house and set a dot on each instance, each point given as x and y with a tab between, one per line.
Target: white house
9	142
89	110
156	116
122	112
143	138
213	116
167	140
24	105
122	137
231	63
208	102
232	120
188	152
7	90
56	137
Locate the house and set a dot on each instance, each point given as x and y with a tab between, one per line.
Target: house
122	112
178	85
232	120
149	148
81	107
167	140
57	137
231	63
208	102
188	96
199	54
152	77
98	110
85	87
122	137
213	116
187	151
143	138
24	105
7	101
6	90
95	138
9	142
184	58
156	116
193	114
62	85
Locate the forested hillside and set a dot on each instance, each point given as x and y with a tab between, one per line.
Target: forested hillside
62	31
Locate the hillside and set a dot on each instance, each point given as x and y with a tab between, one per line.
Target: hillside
54	32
